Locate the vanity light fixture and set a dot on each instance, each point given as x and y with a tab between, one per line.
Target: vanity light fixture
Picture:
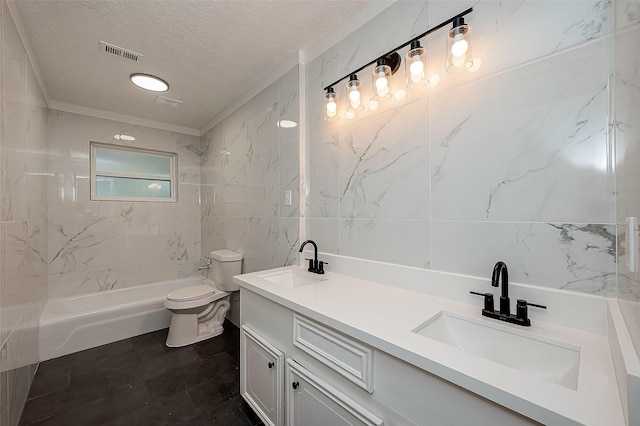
415	67
149	82
331	107
354	103
459	58
380	80
459	54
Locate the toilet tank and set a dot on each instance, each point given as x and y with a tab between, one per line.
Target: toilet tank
226	264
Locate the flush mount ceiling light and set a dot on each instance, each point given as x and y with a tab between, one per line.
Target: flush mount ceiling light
149	82
458	59
122	137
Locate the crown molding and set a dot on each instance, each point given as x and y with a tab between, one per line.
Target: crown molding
115	116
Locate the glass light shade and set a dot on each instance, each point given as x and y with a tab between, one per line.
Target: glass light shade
459	53
149	82
415	68
354	102
381	79
331	106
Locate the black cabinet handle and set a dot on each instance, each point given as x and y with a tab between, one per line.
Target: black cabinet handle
271	364
295	385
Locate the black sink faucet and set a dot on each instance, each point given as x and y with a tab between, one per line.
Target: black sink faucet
504	314
500	269
314	266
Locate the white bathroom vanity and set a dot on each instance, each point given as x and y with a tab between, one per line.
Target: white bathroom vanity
350	348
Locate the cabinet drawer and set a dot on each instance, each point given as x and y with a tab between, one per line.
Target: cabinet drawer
345	356
261	373
313	402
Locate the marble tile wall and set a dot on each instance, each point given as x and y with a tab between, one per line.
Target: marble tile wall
250	164
104	245
627	136
23	219
512	162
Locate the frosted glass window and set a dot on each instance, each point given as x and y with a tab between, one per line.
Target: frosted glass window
132	174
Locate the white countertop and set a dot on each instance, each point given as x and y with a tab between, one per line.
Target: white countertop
384	316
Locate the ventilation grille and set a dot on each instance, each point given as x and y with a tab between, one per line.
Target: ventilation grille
120	52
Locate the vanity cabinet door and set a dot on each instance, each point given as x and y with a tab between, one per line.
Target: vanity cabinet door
313	402
261	376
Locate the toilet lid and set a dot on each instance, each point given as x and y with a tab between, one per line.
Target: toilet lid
191	293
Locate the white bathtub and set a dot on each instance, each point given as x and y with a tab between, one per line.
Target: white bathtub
73	324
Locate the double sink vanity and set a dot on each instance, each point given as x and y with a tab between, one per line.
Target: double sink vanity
383	344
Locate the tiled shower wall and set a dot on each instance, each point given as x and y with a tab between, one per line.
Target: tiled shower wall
103	245
512	162
250	164
627	132
23	219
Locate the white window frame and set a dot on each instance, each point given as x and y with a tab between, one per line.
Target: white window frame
133	175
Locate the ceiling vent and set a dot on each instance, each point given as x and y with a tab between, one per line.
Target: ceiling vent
120	52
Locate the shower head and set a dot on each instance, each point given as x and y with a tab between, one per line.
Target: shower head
198	150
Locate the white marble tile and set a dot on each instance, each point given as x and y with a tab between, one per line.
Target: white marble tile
325	233
384	165
289	108
83	282
576	257
83	244
289	178
527	145
627	13
322	199
263	112
288	241
405	242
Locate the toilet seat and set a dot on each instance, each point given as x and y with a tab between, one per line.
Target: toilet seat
188	294
193	297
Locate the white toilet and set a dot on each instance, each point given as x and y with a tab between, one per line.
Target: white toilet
199	311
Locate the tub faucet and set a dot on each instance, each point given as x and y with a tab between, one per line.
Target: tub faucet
314	266
500	269
206	263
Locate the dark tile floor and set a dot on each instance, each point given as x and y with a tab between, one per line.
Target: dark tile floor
140	381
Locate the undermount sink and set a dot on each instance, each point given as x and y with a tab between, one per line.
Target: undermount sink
548	359
292	279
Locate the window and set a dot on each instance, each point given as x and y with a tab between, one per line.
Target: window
132	174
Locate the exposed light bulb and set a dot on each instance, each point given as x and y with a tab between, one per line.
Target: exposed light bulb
416	77
460	45
381	82
354	97
332	108
416	69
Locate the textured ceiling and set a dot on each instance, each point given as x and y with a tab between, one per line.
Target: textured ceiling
210	52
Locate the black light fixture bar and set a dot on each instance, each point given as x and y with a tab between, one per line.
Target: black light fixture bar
424	34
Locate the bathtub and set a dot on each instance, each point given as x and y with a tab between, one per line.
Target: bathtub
73	324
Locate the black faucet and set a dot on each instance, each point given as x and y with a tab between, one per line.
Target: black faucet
314	266
500	269
504	314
